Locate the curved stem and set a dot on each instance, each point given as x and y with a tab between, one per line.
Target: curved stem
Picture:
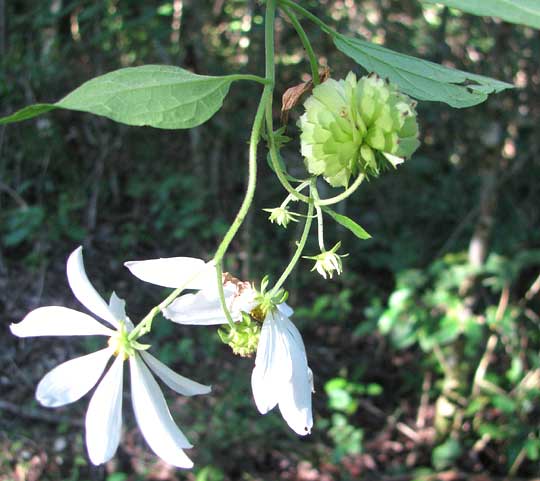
307	14
253	78
145	325
274	159
320	221
266	99
298	253
346	193
248	198
290	197
306	43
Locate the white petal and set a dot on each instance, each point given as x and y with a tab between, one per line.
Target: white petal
174	272
180	384
273	366
295	396
154	418
84	291
264	393
295	403
285	309
104	415
58	321
72	379
203	308
117	306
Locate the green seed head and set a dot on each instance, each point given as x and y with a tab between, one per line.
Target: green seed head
243	338
356	126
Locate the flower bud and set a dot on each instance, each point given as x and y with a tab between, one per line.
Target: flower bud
281	216
353	127
328	262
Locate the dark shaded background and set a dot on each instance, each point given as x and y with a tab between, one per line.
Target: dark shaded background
425	350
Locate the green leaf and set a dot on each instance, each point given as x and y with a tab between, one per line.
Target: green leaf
27	113
347	222
159	96
445	454
522	12
532	447
419	78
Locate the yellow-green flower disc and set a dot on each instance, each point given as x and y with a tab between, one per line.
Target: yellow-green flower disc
356	126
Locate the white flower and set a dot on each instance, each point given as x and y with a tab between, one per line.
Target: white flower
71	380
204	307
328	262
281	375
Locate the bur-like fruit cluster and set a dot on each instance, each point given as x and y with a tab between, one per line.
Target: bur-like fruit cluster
356	126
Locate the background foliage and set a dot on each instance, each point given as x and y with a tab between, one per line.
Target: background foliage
425	351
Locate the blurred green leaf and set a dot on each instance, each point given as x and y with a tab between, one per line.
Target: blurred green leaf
209	473
505	404
532	447
21	224
446	454
117	477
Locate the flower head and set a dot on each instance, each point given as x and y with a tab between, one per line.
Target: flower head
356	126
281	216
281	374
328	262
71	380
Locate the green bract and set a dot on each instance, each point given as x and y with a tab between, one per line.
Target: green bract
356	126
243	337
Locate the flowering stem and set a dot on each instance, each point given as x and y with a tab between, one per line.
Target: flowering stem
145	325
299	249
266	99
275	161
306	43
290	197
320	221
346	193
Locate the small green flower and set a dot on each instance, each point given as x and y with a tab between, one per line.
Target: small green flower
282	216
356	126
328	262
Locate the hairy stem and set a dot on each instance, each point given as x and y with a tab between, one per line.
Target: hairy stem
320	220
299	249
266	99
306	43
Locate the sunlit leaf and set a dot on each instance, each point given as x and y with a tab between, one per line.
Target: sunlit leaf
419	78
524	12
159	96
347	222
